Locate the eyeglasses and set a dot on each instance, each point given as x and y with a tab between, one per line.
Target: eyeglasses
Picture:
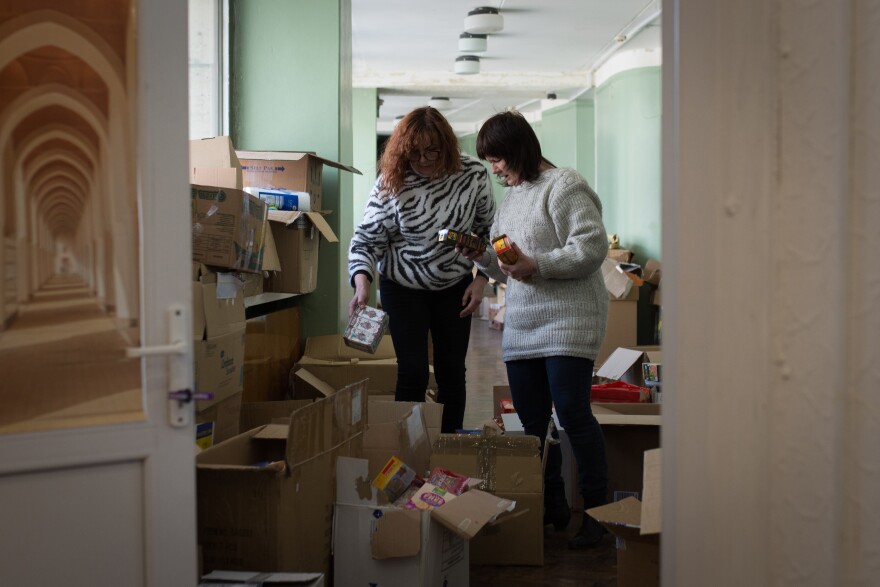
429	155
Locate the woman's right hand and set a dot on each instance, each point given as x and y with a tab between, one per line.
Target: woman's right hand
361	293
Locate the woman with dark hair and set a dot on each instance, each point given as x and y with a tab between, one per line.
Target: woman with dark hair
425	185
557	306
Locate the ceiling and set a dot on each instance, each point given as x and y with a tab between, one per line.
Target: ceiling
407	48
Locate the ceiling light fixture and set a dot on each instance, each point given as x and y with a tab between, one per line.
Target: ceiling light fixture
472	43
439	102
467	65
483	20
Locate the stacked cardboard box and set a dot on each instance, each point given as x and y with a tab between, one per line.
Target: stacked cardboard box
218	351
292	253
271	349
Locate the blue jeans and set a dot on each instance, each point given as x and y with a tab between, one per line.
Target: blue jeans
536	385
412	315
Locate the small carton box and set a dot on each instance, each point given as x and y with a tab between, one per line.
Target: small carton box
265	497
292	250
229	228
288	170
365	329
394	478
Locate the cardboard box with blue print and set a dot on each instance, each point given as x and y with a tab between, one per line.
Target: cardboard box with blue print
288	170
218	351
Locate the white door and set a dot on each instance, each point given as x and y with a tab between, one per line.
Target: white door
107	499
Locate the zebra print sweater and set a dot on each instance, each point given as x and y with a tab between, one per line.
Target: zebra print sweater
398	235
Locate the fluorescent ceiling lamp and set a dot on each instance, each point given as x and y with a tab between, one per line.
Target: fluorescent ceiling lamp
439	102
471	43
467	65
483	20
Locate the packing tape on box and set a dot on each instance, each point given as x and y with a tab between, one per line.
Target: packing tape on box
485	447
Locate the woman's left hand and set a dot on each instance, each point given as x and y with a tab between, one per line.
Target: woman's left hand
473	296
524	267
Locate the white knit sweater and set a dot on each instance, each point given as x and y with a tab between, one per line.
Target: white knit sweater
563	309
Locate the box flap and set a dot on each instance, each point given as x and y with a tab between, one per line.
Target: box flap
398	533
288	217
332	347
326	423
307	385
353	483
467	514
627	512
273	432
620	361
651	493
292	156
616	281
271	262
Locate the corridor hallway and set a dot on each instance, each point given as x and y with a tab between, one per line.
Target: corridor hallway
63	363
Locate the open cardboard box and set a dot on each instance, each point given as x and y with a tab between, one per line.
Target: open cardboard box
625	363
291	254
266	496
511	468
249	579
387	545
637	526
288	170
329	360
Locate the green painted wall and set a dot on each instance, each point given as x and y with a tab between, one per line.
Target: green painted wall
291	91
567	137
364	158
628	158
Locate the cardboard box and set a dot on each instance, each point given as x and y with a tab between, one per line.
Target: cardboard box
625	363
328	360
218	421
266	496
213	162
403	429
292	250
272	346
387	545
629	430
288	170
229	228
637	526
621	330
256	414
219	366
511	468
249	579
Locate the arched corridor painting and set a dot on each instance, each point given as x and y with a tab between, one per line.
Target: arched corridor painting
68	209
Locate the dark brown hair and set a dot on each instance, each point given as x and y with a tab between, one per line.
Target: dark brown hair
422	128
509	136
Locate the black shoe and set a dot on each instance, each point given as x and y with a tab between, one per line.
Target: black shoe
589	535
556	509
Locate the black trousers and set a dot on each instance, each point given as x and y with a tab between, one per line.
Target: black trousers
414	314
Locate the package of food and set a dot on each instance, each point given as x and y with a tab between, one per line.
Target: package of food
394	478
429	497
448	480
504	249
365	329
462	239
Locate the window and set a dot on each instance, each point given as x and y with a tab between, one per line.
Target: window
208	68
